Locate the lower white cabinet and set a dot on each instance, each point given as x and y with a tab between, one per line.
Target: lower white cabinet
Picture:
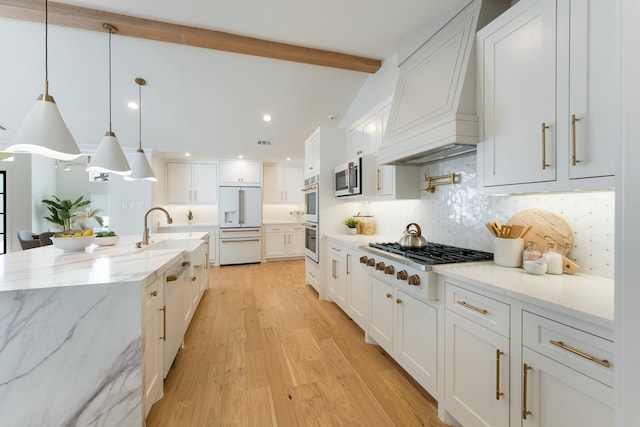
567	375
337	274
406	328
175	287
152	350
476	373
312	273
357	288
283	241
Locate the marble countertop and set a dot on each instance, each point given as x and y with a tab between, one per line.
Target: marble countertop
588	297
50	267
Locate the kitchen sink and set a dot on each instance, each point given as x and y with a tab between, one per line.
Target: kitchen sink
193	249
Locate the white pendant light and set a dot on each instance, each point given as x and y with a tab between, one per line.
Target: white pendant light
109	156
140	168
43	130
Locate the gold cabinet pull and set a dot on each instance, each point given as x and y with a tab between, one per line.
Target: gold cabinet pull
525	411
398	301
164	323
333	269
378	184
563	346
348	262
472	307
388	295
574	119
498	392
544	146
154	293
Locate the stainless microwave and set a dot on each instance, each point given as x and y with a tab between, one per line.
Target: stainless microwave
348	178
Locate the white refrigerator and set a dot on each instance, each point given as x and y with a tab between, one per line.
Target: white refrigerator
240	222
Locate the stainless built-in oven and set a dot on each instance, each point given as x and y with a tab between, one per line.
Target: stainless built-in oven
311	244
311	193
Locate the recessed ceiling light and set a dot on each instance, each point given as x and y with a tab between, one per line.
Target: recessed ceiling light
266	118
187	154
241	156
133	105
288	159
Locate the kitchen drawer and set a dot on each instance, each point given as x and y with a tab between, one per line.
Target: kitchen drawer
336	251
485	311
275	228
312	273
293	228
151	294
580	350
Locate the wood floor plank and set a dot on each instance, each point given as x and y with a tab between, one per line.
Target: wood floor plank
262	350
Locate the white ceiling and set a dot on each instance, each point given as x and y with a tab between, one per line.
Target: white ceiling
199	100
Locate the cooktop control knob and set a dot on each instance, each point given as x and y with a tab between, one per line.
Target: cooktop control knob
414	280
364	260
389	269
371	262
380	266
402	275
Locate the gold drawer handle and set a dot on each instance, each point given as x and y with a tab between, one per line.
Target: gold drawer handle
472	307
498	392
544	146
525	411
154	293
164	323
563	346
574	160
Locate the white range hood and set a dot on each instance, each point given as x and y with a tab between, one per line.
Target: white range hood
433	114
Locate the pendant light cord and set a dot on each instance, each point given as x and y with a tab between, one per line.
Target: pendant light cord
46	41
110	32
140	115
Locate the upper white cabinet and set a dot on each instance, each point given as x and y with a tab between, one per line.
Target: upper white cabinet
283	184
549	94
363	138
240	172
312	154
192	182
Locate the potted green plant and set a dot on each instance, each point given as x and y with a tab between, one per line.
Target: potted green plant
190	217
351	224
61	211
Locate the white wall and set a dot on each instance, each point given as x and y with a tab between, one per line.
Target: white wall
376	88
128	202
43	185
18	196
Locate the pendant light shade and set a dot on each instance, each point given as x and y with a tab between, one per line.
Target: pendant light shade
109	157
140	168
43	130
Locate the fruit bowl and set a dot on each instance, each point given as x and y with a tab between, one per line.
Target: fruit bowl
107	241
72	244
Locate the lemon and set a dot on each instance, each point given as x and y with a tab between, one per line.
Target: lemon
88	232
78	234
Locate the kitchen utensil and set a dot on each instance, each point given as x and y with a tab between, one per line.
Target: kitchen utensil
412	239
547	226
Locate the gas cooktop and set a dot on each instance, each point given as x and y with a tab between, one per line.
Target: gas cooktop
434	253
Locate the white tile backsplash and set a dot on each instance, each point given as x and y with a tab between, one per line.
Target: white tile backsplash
456	214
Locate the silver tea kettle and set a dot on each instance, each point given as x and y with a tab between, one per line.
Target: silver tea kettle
412	239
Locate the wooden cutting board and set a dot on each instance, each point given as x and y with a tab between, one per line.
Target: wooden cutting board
547	226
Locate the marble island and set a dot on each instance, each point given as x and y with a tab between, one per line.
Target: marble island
71	332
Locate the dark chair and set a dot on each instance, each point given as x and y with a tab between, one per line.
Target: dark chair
45	238
28	240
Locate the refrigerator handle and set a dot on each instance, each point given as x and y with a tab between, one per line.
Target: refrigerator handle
241	193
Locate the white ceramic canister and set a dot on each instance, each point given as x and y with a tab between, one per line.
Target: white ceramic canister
507	252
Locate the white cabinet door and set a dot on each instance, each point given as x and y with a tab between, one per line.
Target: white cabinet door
357	288
240	172
275	244
205	183
337	280
476	373
312	155
363	138
272	188
556	395
416	338
292	183
594	84
283	184
152	333
518	127
381	312
295	240
178	182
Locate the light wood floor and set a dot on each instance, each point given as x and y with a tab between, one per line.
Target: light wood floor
262	350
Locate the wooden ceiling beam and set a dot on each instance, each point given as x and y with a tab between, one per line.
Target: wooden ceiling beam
92	19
